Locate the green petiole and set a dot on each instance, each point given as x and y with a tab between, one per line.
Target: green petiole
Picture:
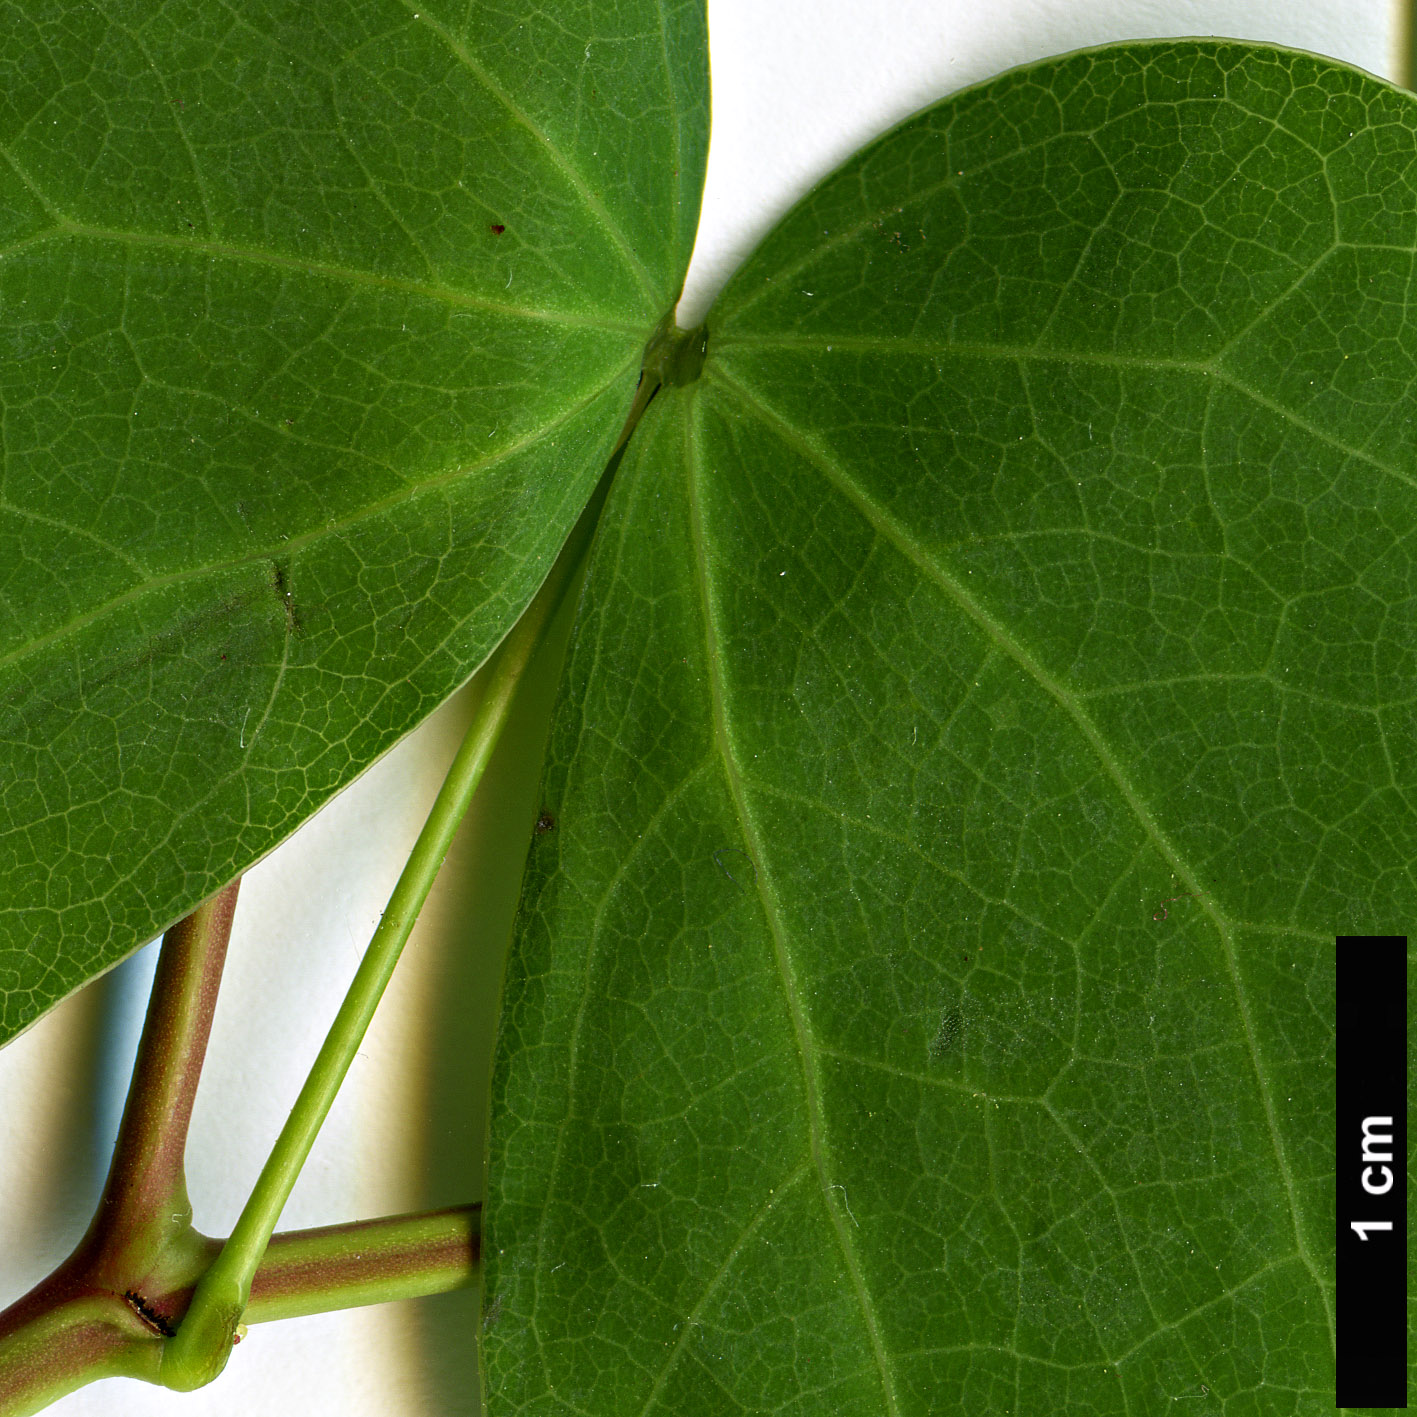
202	1345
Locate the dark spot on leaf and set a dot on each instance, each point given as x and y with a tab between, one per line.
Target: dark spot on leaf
544	823
948	1034
287	601
497	228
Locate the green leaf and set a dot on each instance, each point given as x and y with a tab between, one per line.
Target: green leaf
994	689
319	323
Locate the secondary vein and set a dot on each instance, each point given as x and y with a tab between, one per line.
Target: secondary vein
572	175
895	534
691	1319
328	270
287	548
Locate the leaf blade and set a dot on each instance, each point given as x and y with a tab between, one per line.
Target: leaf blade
942	728
320	327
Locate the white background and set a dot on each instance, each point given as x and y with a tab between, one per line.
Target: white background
798	85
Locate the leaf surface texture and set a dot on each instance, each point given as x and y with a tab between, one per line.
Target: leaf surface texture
993	690
320	322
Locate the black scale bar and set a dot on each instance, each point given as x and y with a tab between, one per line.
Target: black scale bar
1370	1161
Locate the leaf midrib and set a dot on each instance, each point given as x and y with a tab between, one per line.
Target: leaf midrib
891	531
772	909
1213	368
571	174
285	548
567	169
322	269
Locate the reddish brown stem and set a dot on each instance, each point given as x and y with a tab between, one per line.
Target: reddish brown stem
78	1322
148	1159
365	1262
142	1228
112	1306
69	1330
144	1208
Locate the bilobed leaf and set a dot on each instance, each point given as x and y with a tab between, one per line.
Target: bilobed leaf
319	322
994	689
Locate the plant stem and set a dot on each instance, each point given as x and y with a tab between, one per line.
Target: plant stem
68	1333
203	1342
66	1342
76	1325
367	1262
110	1309
142	1226
145	1196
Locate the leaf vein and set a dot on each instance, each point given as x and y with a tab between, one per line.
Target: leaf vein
327	270
775	1195
567	169
807	1043
889	528
298	543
